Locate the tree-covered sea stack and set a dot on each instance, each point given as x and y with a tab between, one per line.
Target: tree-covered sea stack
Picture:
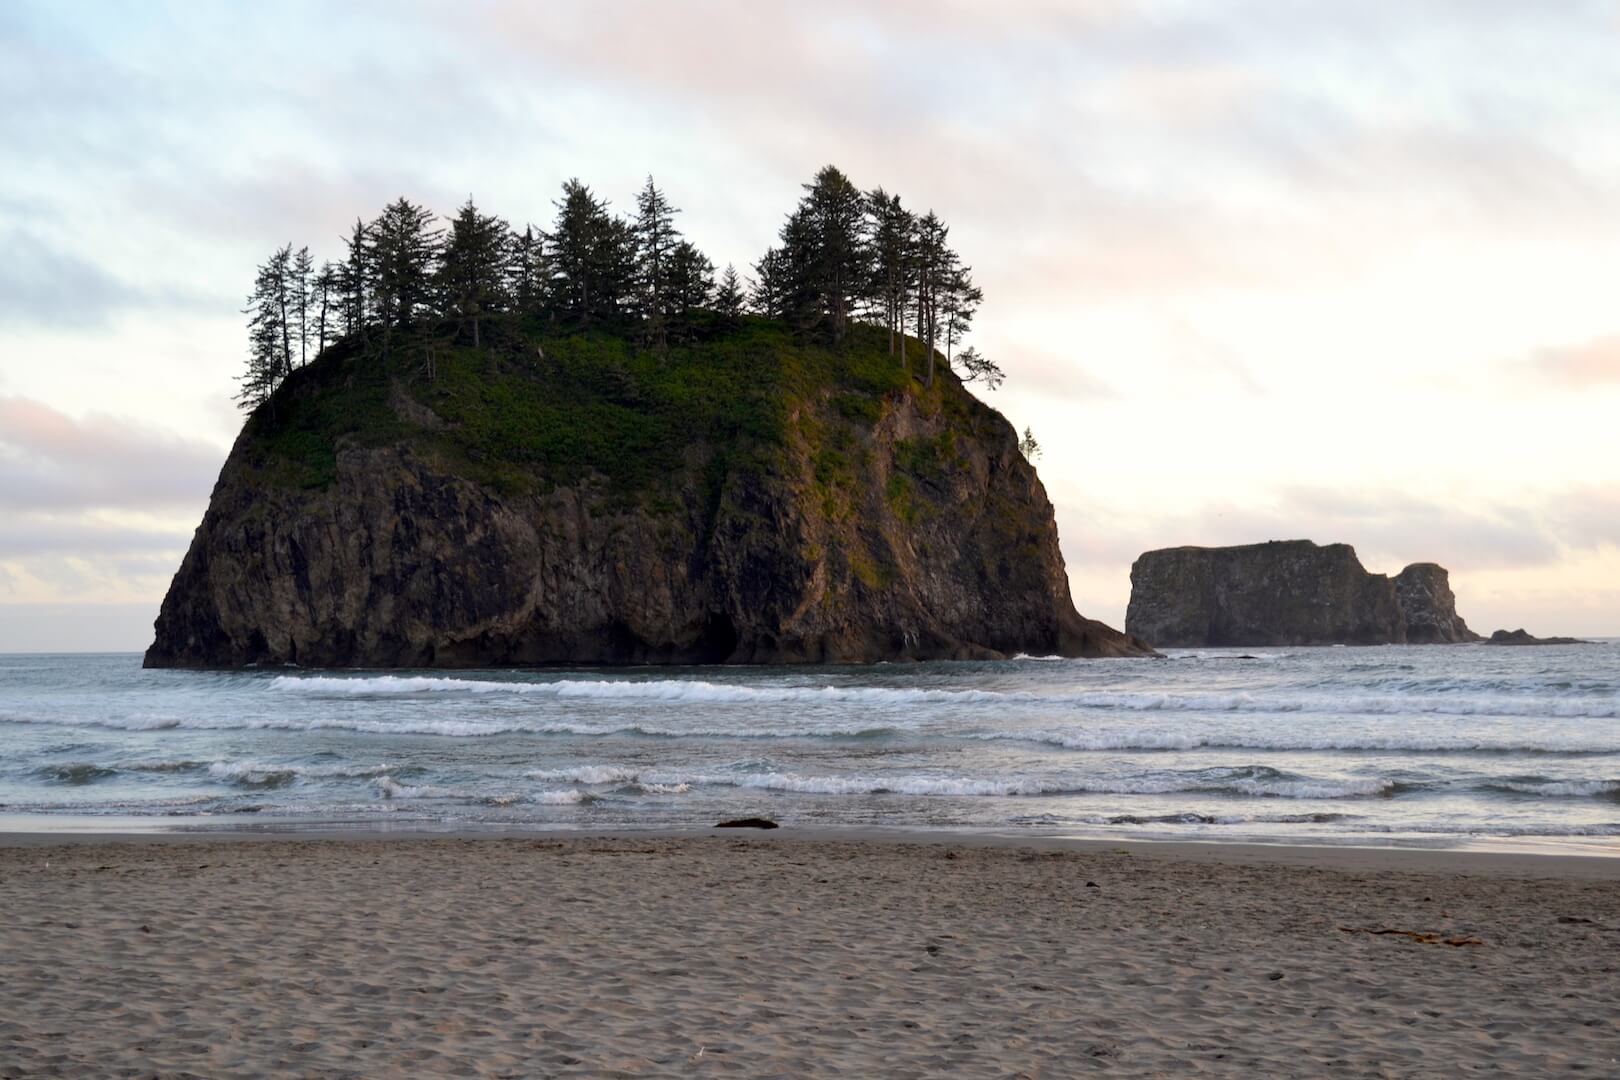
572	445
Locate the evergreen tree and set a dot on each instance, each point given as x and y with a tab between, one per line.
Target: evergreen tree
768	296
353	273
401	253
959	302
528	272
892	231
269	337
656	240
472	271
933	261
592	256
691	279
978	368
838	265
827	255
801	299
301	281
1028	446
728	296
326	295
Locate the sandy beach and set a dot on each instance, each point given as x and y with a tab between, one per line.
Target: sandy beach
771	955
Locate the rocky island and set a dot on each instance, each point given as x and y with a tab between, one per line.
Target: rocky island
1287	592
627	481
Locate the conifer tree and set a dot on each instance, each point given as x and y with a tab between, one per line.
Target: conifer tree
591	254
471	276
528	272
892	230
326	295
838	261
933	260
400	255
801	297
353	273
824	243
959	302
301	274
768	296
691	279
269	336
1028	446
656	240
728	295
980	368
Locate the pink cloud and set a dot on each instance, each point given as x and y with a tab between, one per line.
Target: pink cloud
1587	364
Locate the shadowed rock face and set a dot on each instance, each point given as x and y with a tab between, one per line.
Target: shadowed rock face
400	561
1290	592
1423	593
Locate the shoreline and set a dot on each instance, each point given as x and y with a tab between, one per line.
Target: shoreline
1529	860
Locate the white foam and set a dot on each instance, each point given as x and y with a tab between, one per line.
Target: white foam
586	774
1125	740
390	788
701	691
1564	788
260	774
961	786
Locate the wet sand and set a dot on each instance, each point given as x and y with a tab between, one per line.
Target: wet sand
776	955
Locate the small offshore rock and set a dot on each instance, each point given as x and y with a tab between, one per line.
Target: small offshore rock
748	823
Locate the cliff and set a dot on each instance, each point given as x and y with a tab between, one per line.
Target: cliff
1290	592
575	499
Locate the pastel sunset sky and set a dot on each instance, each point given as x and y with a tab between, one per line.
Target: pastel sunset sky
1256	270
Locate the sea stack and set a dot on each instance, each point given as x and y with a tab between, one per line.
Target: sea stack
1287	592
743	499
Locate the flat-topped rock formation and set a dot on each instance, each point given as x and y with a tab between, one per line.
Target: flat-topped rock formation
1287	592
746	500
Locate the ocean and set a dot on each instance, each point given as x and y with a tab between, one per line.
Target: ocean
1425	745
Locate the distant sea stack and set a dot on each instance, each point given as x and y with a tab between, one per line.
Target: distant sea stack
743	498
1287	592
1522	636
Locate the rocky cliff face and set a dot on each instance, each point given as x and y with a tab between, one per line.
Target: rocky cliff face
1428	608
1286	593
910	529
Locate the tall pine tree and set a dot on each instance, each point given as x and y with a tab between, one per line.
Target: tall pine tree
528	273
591	255
728	295
402	249
471	277
656	239
269	334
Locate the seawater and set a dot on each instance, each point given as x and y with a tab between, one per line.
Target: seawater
1396	744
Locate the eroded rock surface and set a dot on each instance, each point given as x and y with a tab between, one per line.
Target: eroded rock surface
927	536
1286	592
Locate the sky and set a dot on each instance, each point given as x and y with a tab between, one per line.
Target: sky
1264	269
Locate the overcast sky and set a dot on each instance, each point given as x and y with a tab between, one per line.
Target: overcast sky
1256	270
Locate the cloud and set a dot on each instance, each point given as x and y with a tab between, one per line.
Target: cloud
1591	363
1389	529
50	461
44	286
1589	517
30	535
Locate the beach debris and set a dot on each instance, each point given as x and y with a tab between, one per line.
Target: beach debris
748	823
1426	939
